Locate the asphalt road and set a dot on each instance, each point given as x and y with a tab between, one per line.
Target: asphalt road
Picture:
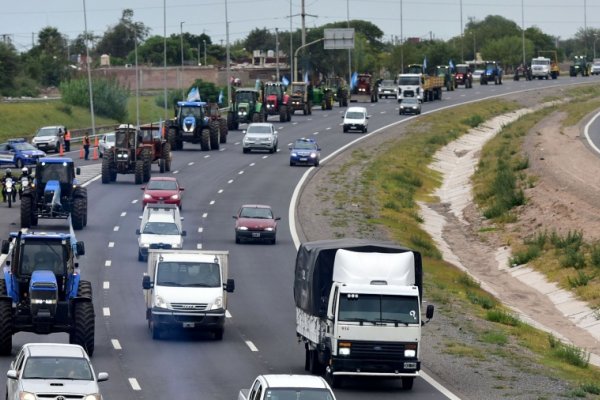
260	333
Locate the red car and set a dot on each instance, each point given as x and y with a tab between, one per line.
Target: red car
162	190
255	222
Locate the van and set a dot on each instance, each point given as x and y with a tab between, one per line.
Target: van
160	228
356	118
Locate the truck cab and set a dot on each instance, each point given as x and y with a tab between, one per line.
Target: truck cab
410	85
540	67
187	289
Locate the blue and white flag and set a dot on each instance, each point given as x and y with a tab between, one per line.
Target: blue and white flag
193	95
425	64
220	100
306	77
451	64
285	80
353	80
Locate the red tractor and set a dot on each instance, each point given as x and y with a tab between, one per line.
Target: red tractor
277	101
160	148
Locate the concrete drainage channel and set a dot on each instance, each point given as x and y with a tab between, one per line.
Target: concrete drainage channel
456	163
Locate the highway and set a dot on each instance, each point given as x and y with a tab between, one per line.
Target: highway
260	332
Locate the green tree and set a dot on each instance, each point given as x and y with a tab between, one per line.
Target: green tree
9	69
260	39
119	40
507	50
151	51
47	61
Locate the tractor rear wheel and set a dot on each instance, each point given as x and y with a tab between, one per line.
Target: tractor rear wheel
82	332
166	156
6	324
171	137
223	130
105	169
139	172
205	139
213	125
282	114
147	159
231	125
27	211
78	213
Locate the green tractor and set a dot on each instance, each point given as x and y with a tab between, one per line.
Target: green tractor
339	91
328	98
579	66
446	72
247	107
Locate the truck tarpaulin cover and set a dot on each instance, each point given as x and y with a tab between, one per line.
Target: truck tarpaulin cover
314	269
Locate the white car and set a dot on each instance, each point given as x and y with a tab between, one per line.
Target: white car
160	228
356	118
52	371
260	136
106	142
477	74
596	67
282	386
49	138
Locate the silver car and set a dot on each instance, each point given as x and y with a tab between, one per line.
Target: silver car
52	370
260	136
106	142
387	88
49	138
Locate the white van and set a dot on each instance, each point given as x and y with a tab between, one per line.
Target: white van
160	228
356	118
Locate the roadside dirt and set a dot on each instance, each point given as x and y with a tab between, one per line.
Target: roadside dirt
565	197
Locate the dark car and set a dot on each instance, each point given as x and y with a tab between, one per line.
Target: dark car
255	222
162	189
410	105
305	151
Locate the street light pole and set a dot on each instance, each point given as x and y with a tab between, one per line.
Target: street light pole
227	55
181	40
204	41
523	29
462	35
165	55
277	51
89	72
300	48
349	52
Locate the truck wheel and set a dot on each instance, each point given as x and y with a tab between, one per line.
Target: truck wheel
105	170
83	329
6	324
26	211
205	139
77	214
214	135
407	382
155	331
166	156
218	333
171	134
315	367
223	131
139	172
334	381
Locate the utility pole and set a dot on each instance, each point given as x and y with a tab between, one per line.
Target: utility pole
277	51
198	53
227	55
523	30
165	55
462	36
89	72
205	62
292	77
181	75
303	16
349	51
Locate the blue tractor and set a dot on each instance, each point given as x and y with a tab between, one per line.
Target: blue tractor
54	194
197	122
41	290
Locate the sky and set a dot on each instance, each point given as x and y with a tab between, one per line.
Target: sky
439	19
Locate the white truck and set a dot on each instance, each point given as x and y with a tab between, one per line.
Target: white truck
160	227
540	67
358	309
281	386
187	289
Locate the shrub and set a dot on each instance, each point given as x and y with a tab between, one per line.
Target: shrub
473	121
502	317
595	255
572	257
582	279
110	98
573	239
569	353
523	257
484	301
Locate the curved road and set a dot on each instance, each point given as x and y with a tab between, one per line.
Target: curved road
260	333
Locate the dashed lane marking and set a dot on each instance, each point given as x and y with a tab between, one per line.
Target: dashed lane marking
204	215
207	156
116	345
328	128
106	311
106	285
211	202
134	201
134	384
198	246
200	229
123	214
176	171
107	263
190	163
230	181
227	314
111	244
116	229
220	191
315	133
251	345
241	172
265	157
252	164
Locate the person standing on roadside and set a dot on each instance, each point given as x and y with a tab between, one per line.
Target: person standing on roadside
86	145
67	139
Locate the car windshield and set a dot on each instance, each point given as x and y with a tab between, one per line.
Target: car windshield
47	132
53	172
38	255
109	138
161	228
302	145
23	146
387	83
408	80
256	212
298	394
410	100
57	368
379	308
190	112
259	129
161	185
354	115
194	274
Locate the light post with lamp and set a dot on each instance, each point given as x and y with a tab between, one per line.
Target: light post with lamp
204	41
181	41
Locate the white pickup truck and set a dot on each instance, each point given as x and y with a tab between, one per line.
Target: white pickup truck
281	386
187	289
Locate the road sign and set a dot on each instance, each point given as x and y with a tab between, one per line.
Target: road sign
336	39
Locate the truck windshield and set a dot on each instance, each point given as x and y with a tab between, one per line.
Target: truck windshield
298	394
38	255
379	308
540	62
188	274
408	81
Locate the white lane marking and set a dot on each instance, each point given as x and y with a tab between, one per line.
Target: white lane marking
176	171
227	314
382	112
106	285
107	263
220	191
315	133
438	386
280	128
252	164
116	229
289	144
230	181
310	119
134	201
222	149
106	311
586	130
198	246
111	244
240	173
325	115
211	202
191	163
294	123
204	215
328	128
251	346
200	229
207	156
134	384
236	143
116	345
265	157
123	214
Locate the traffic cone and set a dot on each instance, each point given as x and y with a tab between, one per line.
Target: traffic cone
81	153
96	142
95	156
61	151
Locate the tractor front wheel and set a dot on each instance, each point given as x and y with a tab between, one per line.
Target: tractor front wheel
223	130
105	170
214	134
5	322
82	332
166	156
27	211
139	172
205	139
78	213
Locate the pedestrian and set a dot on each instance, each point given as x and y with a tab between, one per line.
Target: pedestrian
67	139
61	140
86	145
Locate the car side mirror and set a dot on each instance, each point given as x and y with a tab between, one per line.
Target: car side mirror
140	217
429	312
368	116
137	232
343	117
318	149
80	248
181	218
147	283
12	374
229	286
143	188
183	233
277	218
275	132
182	189
235	217
77	171
290	147
102	376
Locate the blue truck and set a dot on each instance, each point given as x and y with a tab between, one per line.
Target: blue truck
41	290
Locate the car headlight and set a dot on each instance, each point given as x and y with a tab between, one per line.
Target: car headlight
27	155
147	196
269	229
344	348
410	353
175	197
294	154
313	155
95	396
217	304
242	228
26	396
160	302
145	245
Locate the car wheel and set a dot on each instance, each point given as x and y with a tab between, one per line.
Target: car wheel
237	239
291	163
274	240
